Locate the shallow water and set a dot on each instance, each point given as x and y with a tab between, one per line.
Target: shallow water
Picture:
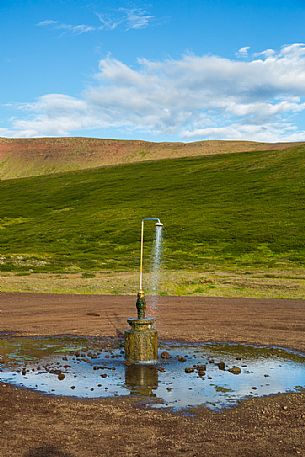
91	368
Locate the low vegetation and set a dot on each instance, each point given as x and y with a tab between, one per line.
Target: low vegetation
229	213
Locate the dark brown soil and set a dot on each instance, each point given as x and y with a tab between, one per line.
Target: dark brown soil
33	425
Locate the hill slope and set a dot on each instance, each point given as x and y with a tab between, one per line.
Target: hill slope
227	210
34	157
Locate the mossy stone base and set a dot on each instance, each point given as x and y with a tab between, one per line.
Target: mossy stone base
141	342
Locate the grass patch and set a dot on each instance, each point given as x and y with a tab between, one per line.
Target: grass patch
181	282
234	212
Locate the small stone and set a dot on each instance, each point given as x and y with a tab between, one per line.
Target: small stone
266	376
181	358
189	370
104	375
285	408
221	366
72	387
201	373
235	370
165	355
61	376
161	369
23	372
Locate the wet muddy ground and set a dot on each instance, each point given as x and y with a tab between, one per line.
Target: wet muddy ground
33	424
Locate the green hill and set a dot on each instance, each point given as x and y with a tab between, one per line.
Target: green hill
226	211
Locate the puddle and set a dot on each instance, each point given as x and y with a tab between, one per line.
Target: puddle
214	375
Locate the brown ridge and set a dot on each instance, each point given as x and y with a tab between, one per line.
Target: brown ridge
40	156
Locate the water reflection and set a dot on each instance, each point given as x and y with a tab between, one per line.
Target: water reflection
141	379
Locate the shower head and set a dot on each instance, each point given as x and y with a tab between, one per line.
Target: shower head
158	223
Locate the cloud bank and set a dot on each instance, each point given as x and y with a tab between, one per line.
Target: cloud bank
195	97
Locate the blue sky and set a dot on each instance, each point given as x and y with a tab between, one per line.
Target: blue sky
159	70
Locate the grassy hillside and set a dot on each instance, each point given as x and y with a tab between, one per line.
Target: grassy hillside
41	156
239	211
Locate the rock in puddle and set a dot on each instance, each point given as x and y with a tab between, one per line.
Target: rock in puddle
221	365
181	358
165	355
235	370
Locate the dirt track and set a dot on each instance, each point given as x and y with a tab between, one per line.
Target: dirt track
280	322
33	425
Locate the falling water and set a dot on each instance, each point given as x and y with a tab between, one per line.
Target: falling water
155	271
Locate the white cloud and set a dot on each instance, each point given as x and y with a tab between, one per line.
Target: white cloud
264	132
192	97
243	52
129	19
137	19
75	29
46	23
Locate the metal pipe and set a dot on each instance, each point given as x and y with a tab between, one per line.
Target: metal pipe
141	257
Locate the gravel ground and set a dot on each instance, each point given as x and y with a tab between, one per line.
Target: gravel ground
34	425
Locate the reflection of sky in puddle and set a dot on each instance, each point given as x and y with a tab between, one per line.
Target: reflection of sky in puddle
105	375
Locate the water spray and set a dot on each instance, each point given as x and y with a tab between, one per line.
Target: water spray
141	306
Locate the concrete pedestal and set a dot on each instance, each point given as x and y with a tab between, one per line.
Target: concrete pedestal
141	342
